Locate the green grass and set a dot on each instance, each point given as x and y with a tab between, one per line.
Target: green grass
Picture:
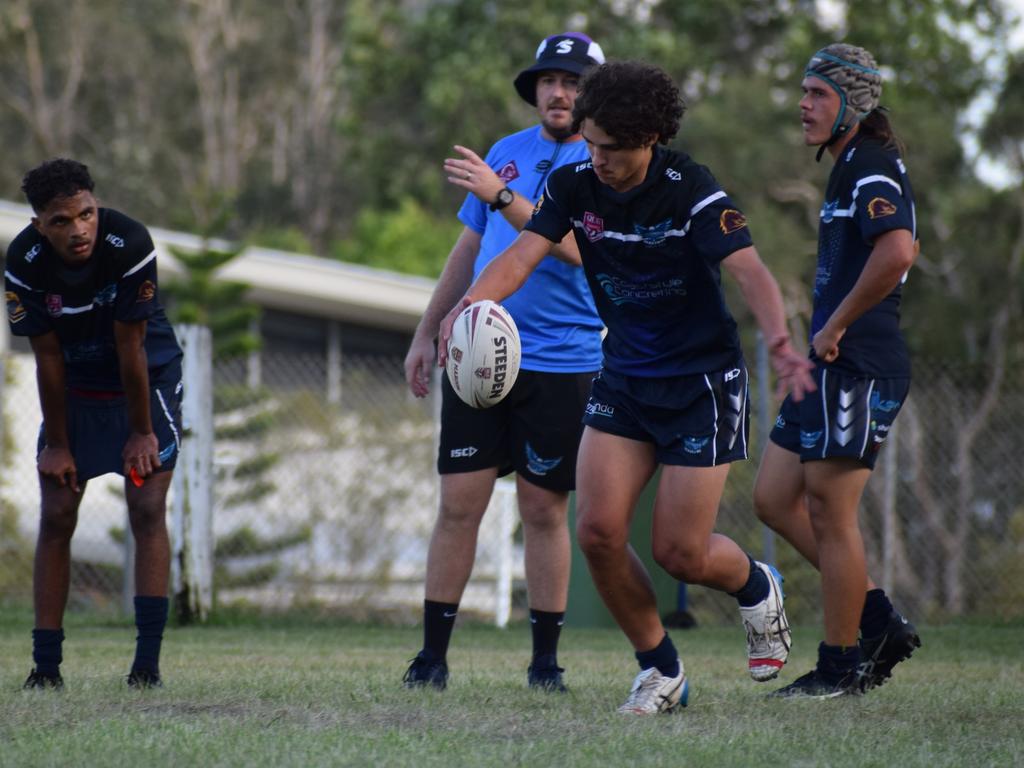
287	693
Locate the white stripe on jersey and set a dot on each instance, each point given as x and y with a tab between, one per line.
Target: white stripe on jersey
76	310
706	202
871	180
622	236
140	265
839	213
16	281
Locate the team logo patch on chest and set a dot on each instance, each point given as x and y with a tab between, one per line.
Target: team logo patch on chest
731	221
828	211
879	208
508	171
105	296
54	304
593	226
654	235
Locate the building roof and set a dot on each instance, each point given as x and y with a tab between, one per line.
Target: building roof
290	282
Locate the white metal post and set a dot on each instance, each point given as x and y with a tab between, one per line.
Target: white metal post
333	362
254	363
192	504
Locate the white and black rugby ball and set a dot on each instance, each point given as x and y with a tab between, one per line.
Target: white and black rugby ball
483	354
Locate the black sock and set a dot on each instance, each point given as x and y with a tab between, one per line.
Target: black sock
150	619
46	650
836	661
438	623
756	589
546	627
876	613
664	656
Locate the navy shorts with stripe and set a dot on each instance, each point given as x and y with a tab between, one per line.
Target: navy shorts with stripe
99	428
848	416
534	431
699	420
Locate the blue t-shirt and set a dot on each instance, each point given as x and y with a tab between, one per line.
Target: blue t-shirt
652	256
868	194
81	303
554	311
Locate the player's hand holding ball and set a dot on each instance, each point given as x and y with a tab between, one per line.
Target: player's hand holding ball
480	350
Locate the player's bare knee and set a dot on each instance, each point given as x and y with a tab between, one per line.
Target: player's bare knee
458	516
682	564
597	539
543	518
825	523
148	518
57	522
765	507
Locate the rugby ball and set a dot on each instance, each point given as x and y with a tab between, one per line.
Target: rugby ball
483	354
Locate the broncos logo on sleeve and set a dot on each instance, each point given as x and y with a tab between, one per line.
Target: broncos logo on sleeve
731	221
879	207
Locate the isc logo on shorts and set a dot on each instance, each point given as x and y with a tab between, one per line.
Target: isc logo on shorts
463	453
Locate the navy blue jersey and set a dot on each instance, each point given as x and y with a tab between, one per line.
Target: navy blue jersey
868	195
652	257
81	303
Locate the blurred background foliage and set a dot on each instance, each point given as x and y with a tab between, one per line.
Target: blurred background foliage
321	125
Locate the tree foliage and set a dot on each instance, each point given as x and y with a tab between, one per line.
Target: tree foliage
324	124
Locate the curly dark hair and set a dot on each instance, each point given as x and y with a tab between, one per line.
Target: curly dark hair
55	178
631	101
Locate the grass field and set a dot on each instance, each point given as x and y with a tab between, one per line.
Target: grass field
291	693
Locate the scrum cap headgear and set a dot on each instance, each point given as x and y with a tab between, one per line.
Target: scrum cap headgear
853	74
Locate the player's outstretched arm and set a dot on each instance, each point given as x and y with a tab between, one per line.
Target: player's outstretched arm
764	298
141	450
452	284
893	254
55	460
472	173
500	279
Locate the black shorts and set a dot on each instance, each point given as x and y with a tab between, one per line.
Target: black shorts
534	431
99	428
694	421
848	416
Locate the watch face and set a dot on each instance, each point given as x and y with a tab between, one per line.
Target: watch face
505	196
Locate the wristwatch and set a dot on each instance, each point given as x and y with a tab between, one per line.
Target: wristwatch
503	200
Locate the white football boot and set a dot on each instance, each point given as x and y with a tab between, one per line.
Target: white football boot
768	635
652	693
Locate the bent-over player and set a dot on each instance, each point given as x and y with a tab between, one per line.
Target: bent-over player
81	284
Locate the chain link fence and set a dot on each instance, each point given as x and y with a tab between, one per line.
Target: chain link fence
325	496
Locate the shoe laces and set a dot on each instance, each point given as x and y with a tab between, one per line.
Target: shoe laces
758	642
422	669
645	690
